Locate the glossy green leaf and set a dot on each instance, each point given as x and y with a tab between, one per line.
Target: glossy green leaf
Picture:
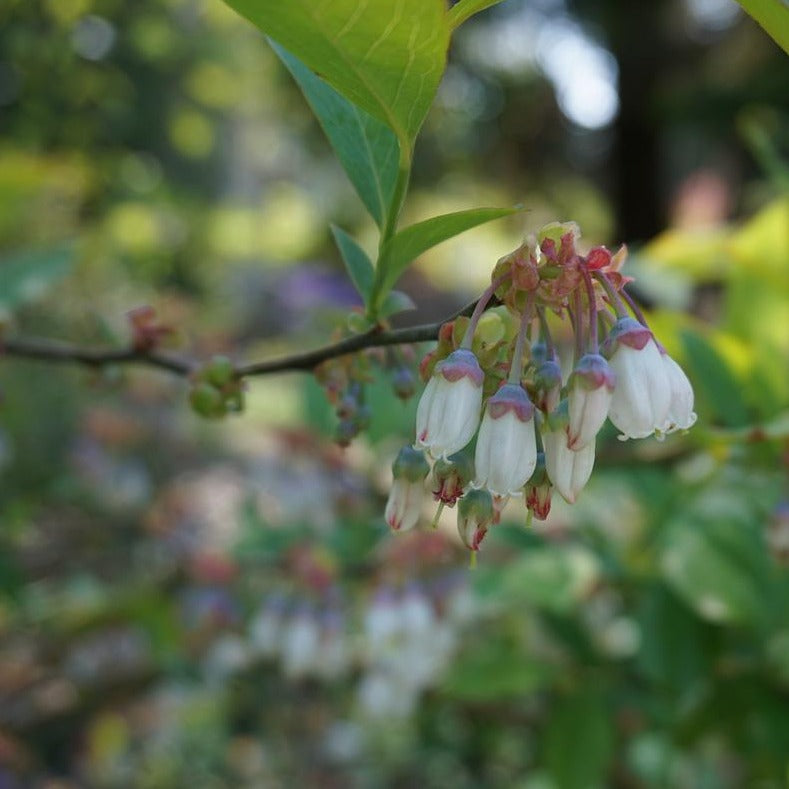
396	301
412	241
773	16
366	148
356	262
461	11
579	741
29	274
386	57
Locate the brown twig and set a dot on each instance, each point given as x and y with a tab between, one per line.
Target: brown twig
60	352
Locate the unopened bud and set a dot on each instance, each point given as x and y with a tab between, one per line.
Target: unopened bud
451	476
207	401
475	515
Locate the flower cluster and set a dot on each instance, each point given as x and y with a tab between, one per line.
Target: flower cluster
497	376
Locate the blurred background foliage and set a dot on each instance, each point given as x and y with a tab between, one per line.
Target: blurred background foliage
184	603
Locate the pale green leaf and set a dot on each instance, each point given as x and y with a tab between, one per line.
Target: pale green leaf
366	148
387	56
461	11
412	241
356	262
773	16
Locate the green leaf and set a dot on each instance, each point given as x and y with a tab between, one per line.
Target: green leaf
553	578
366	148
26	275
396	301
494	670
356	261
718	567
386	57
717	388
579	741
461	11
412	241
773	16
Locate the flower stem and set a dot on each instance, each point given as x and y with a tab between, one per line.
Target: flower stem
578	326
546	333
613	297
631	302
516	367
434	523
593	344
486	296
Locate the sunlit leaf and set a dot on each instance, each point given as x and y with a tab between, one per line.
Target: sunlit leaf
773	16
386	57
461	11
366	148
412	241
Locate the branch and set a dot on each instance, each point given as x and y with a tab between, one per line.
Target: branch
55	351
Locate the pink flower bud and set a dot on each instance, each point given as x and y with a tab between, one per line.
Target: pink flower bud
538	490
451	477
681	415
569	470
475	515
506	447
448	413
591	387
642	395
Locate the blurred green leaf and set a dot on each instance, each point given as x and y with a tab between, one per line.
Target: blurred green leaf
494	669
366	148
461	11
579	741
409	243
356	262
715	384
27	275
386	57
550	577
672	647
773	16
396	301
717	565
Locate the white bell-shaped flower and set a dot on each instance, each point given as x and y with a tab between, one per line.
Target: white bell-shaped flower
569	470
681	415
404	504
591	387
448	413
506	451
642	394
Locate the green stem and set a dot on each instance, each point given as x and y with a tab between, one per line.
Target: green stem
486	296
388	231
516	367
